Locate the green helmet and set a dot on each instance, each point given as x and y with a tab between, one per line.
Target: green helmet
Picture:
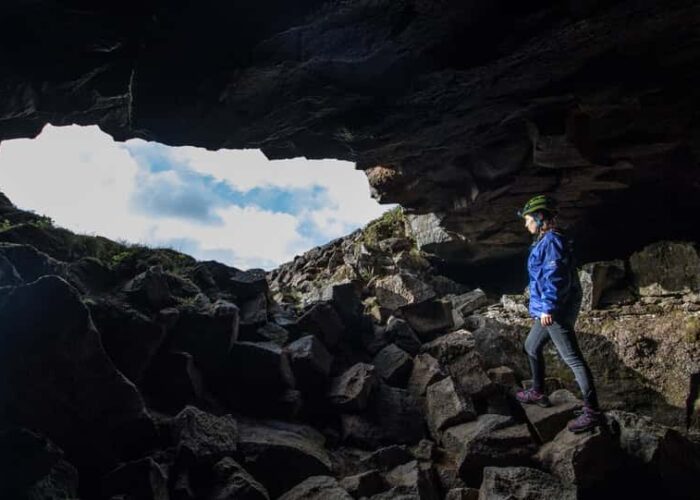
540	202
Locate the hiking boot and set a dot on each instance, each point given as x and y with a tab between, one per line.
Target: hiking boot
533	397
587	419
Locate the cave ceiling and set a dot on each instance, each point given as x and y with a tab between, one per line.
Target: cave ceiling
457	109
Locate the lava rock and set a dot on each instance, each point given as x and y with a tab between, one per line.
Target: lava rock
202	437
317	488
454	438
281	455
246	284
523	483
548	422
234	482
462	494
414	477
143	478
426	371
350	391
387	458
173	382
469	302
365	484
428	318
596	278
149	289
665	268
398	290
446	407
393	365
322	321
8	274
311	363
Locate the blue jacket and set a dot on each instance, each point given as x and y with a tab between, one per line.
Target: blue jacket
552	273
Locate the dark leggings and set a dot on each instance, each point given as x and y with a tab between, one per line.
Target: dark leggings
564	338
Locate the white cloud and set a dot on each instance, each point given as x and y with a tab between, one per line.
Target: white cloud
86	182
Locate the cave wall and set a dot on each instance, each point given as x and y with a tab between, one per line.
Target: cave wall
458	110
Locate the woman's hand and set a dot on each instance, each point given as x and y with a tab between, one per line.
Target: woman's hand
546	319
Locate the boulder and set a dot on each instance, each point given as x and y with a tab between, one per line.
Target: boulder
515	305
429	317
33	467
503	375
269	332
388	457
322	321
96	415
365	484
454	438
29	263
414	477
130	338
446	406
350	391
317	488
665	268
149	289
8	274
583	459
401	289
311	363
393	365
462	494
523	483
246	284
143	478
500	344
173	382
426	371
469	302
281	455
202	437
253	313
208	333
345	299
596	278
503	447
257	373
233	482
548	422
400	333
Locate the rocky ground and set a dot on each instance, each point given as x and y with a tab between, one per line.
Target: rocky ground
354	371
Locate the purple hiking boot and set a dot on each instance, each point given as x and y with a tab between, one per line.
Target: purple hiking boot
533	397
587	419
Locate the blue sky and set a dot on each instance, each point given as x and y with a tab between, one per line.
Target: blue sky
236	207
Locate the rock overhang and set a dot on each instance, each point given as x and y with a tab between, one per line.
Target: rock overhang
459	111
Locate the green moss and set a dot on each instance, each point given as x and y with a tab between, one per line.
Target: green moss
390	225
5	225
691	329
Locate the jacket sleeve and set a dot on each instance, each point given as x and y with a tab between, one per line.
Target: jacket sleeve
555	275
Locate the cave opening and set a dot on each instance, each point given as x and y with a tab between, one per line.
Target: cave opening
233	206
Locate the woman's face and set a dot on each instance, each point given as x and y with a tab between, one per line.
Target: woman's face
530	224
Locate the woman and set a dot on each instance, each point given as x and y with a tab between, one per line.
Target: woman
555	298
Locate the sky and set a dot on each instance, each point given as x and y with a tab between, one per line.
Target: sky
236	207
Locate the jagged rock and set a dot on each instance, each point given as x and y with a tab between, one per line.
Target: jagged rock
447	473
90	275
208	333
387	458
280	455
416	477
234	482
365	484
666	267
311	363
253	312
425	450
317	488
400	333
515	304
582	459
96	414
33	467
462	494
29	262
469	302
446	407
662	451
454	438
173	382
502	447
547	422
397	493
426	371
455	351
499	344
393	365
596	278
130	338
202	437
351	390
143	478
346	301
149	289
246	284
522	483
322	320
401	289
429	317
257	372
